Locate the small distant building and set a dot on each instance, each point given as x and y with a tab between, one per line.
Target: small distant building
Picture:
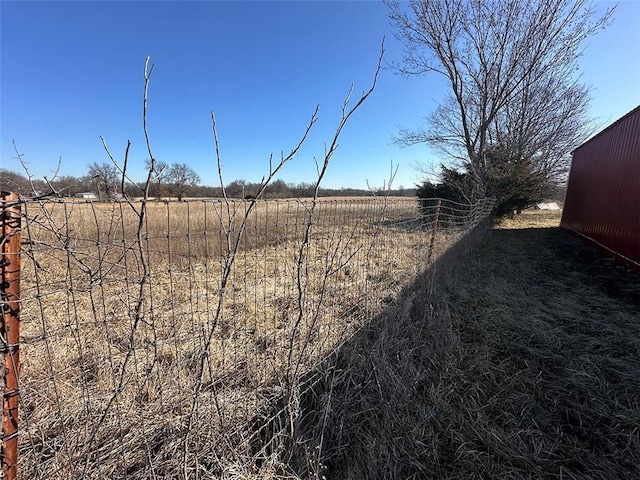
548	206
87	196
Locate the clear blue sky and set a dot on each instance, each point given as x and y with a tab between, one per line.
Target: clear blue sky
72	71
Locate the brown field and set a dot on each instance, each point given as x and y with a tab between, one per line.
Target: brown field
137	362
532	219
513	355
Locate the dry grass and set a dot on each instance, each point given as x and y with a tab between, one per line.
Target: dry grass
518	362
532	218
110	351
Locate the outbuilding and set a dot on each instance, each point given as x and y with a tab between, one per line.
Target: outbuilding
87	196
603	193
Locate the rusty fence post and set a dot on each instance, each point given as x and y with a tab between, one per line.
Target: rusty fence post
10	216
434	231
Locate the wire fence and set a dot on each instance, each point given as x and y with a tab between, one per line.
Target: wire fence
157	336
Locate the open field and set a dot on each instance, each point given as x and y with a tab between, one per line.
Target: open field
513	354
521	362
532	219
149	348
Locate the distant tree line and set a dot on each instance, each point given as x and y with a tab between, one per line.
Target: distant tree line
175	181
105	181
281	189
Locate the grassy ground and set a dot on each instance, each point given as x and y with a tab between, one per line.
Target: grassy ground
522	362
111	356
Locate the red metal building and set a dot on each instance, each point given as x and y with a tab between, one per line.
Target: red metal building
603	194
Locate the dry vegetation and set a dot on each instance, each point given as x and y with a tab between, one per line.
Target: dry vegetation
520	362
113	334
531	218
514	355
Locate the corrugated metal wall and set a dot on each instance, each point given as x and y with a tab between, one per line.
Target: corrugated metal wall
603	194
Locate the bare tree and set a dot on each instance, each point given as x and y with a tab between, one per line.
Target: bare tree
510	67
160	171
105	177
69	186
546	121
14	182
238	189
181	178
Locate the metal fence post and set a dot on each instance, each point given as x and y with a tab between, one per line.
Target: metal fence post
434	231
10	217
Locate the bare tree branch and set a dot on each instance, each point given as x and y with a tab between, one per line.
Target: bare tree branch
510	65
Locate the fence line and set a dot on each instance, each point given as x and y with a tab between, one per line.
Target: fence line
151	345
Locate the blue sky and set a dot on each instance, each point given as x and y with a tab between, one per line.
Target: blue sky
72	71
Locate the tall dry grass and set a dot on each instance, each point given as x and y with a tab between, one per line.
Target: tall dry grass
519	361
115	325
